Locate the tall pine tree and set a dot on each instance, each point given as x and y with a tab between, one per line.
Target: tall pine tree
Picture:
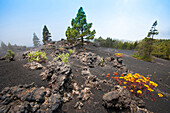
36	40
153	31
145	47
3	46
46	35
80	29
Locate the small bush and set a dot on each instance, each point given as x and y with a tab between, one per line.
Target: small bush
71	51
101	62
37	56
136	55
64	57
10	55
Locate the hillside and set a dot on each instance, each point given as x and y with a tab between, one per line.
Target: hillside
84	85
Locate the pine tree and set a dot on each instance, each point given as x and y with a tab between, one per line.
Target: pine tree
10	47
46	35
80	28
145	47
153	31
36	40
3	46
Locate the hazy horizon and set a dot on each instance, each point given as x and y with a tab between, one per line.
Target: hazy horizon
117	19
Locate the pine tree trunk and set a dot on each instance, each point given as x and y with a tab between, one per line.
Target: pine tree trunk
82	42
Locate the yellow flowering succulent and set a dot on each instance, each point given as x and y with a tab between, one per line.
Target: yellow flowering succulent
146	86
151	90
121	77
125	82
138	84
137	81
160	95
153	84
118	54
124	86
139	92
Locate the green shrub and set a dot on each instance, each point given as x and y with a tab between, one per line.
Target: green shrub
101	61
10	55
64	57
136	55
37	56
71	51
145	58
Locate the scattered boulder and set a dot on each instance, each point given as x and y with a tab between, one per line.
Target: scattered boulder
85	94
89	59
119	65
34	65
120	99
75	86
85	71
67	97
92	81
57	73
117	98
78	105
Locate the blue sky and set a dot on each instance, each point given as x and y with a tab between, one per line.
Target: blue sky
120	19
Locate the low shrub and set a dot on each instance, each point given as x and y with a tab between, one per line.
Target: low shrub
64	57
71	51
136	55
101	62
145	58
10	55
37	56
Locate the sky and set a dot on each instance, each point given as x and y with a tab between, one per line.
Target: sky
118	19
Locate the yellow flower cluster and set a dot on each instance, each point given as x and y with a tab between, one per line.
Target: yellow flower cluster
118	54
160	95
153	84
138	84
139	92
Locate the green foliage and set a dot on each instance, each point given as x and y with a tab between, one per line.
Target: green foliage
145	48
80	29
46	34
64	57
149	46
101	61
37	56
156	47
36	40
136	55
161	48
72	51
10	55
117	44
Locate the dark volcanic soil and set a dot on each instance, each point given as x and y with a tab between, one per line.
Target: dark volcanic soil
13	73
